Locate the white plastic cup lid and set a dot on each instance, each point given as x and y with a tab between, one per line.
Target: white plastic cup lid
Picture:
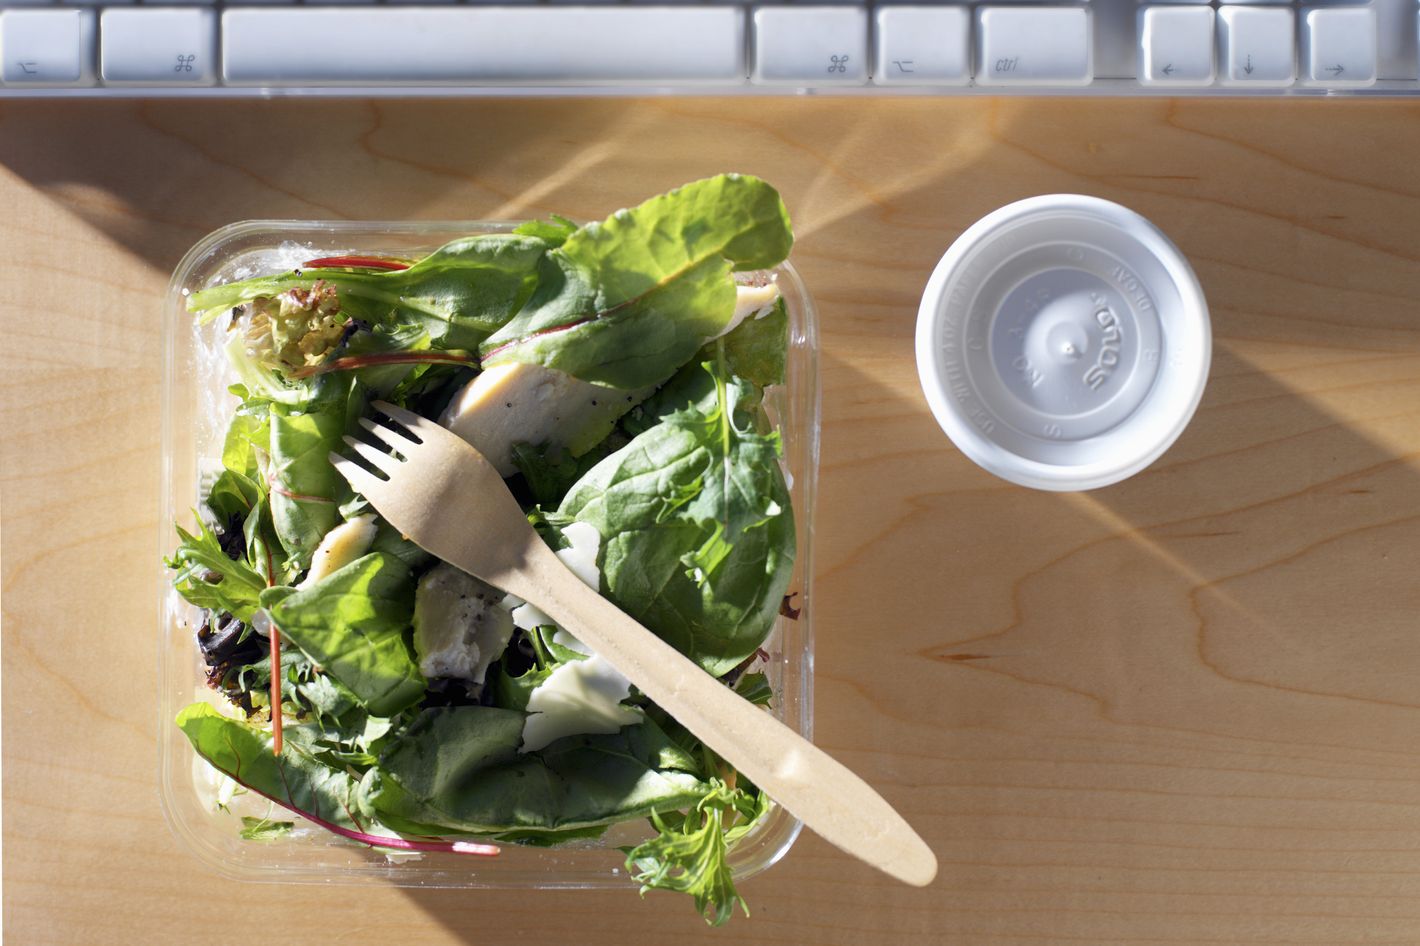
1063	342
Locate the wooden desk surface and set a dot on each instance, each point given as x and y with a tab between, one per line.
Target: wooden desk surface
1182	709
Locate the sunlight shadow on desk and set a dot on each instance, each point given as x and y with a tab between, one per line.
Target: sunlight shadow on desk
156	176
1135	675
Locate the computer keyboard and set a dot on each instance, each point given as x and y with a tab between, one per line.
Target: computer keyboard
1099	47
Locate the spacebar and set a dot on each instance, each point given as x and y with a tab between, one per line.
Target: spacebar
360	45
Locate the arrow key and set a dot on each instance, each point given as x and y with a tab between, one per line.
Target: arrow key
1176	45
1257	45
1339	46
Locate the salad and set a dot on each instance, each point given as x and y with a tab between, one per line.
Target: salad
614	373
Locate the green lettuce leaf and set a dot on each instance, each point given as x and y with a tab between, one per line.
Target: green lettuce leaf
354	624
459	769
627	301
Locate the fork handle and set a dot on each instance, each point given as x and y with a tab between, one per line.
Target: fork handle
823	793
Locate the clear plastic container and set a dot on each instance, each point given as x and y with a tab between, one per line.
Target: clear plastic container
196	409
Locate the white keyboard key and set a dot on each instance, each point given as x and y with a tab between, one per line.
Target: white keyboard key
817	46
1176	45
376	46
47	47
1339	46
1033	46
1257	45
155	46
1395	38
923	46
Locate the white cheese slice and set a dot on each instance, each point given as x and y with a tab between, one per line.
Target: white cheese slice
518	403
581	558
459	628
578	697
341	546
751	302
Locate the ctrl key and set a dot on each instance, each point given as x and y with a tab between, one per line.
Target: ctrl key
47	47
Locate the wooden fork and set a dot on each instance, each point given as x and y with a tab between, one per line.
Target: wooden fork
445	496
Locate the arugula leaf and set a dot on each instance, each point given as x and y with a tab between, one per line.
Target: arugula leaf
264	829
354	624
208	578
697	533
459	768
295	778
459	293
627	301
688	854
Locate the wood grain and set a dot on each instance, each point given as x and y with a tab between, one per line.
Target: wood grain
1180	710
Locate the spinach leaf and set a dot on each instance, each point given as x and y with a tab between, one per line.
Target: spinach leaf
304	486
627	301
512	692
208	578
697	532
241	484
248	436
232	497
755	688
550	470
555	230
459	293
458	768
757	348
382	356
294	779
354	623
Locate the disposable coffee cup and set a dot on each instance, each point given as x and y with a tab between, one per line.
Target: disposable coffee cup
1063	342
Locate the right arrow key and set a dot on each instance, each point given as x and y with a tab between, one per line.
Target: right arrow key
1339	47
1257	45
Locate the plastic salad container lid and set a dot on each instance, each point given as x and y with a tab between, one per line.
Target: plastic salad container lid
1063	342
